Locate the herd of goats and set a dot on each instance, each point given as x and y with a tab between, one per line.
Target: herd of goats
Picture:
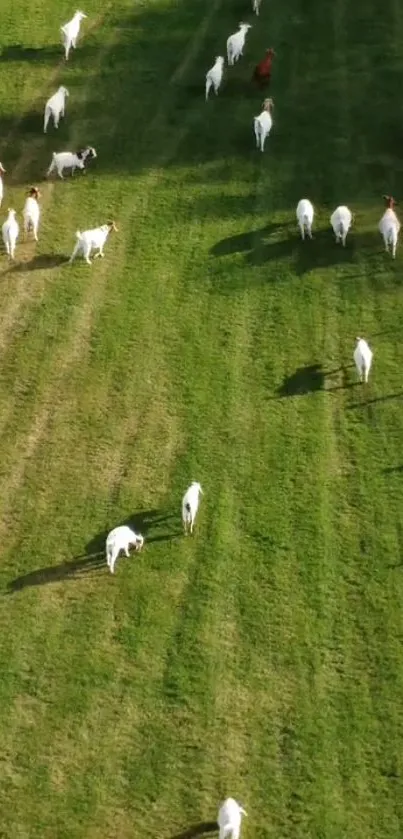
122	538
88	240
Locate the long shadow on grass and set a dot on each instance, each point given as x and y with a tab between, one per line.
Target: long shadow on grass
80	566
196	830
17	52
311	378
377	399
37	263
320	252
244	241
93	560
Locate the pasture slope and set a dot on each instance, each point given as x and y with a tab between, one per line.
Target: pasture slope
263	658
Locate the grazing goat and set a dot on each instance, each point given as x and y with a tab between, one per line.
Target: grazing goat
3	172
10	231
229	819
263	123
305	214
91	239
190	506
70	160
120	539
55	107
31	212
363	359
214	76
256	6
341	221
236	43
262	71
389	225
70	32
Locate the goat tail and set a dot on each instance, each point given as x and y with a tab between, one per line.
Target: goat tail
78	234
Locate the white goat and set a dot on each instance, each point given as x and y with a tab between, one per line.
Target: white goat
31	212
10	231
256	6
70	160
91	239
70	32
389	225
305	214
120	539
341	222
214	76
236	43
190	506
229	819
363	359
55	107
263	123
3	172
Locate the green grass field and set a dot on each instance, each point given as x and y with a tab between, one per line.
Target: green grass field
263	657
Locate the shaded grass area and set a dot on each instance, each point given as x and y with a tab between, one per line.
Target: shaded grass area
262	658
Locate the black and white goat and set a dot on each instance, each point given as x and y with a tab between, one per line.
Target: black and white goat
70	160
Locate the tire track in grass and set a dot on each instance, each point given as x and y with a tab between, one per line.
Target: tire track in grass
79	332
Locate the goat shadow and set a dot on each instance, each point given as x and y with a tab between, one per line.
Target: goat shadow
319	252
17	52
93	560
20	53
261	247
37	263
244	241
196	830
311	378
377	399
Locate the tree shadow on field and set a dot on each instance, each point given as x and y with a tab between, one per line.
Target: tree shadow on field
142	105
196	830
389	470
311	378
146	522
26	151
